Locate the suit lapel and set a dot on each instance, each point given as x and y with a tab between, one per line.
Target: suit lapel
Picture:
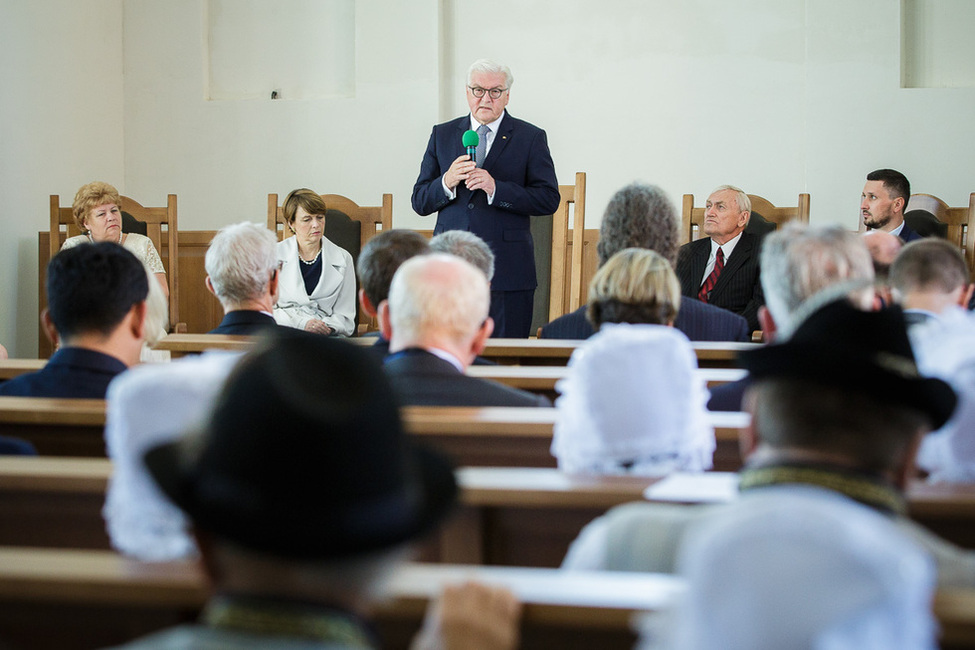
741	254
501	140
699	262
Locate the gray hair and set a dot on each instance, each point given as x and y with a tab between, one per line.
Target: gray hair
741	199
437	293
467	246
799	261
639	216
240	261
488	66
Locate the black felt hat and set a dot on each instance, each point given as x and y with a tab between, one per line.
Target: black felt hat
868	353
304	456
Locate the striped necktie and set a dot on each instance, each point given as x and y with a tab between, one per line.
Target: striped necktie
705	293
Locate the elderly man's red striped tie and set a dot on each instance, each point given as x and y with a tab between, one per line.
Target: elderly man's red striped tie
705	293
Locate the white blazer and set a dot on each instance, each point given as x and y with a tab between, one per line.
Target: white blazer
332	301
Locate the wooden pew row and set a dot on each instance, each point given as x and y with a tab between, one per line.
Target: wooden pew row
82	599
69	599
537	379
10	368
515	437
545	352
507	516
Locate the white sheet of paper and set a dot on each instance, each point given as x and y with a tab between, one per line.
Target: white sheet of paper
706	487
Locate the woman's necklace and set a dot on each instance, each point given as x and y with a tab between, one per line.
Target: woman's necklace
312	261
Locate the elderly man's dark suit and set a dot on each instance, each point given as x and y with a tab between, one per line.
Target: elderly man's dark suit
525	185
738	288
420	378
244	322
697	320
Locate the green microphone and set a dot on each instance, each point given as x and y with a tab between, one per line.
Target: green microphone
470	141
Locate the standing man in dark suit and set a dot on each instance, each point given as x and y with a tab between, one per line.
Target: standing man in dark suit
436	320
722	269
641	216
512	179
243	273
882	203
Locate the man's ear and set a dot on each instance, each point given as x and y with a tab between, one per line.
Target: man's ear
385	327
366	304
906	469
899	204
769	328
966	296
748	437
138	315
743	218
273	285
480	339
50	331
209	285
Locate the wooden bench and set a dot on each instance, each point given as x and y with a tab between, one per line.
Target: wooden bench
506	516
516	437
82	599
525	352
10	368
68	599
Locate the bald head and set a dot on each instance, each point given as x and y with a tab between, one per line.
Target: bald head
438	301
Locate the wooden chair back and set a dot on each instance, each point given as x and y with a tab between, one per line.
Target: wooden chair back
692	219
574	200
959	221
161	228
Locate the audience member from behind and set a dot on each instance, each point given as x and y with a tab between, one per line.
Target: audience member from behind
96	310
641	216
723	268
635	286
378	261
243	272
98	213
884	249
837	411
437	322
632	403
317	282
467	246
801	261
929	279
882	203
278	446
800	570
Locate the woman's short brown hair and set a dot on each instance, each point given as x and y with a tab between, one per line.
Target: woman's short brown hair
91	196
305	198
636	285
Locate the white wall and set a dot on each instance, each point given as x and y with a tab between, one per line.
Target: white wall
61	113
778	96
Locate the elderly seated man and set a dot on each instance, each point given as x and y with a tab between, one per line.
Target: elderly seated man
244	274
838	410
96	297
436	319
304	497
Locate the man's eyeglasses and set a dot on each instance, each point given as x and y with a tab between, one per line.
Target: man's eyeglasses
494	93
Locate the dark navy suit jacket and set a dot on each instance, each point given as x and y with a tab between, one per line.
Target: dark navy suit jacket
697	320
526	185
738	288
244	322
71	372
423	379
908	234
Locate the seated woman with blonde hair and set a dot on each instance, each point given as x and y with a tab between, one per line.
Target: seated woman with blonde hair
98	213
632	402
317	286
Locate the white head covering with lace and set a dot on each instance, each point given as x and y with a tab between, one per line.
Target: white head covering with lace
633	403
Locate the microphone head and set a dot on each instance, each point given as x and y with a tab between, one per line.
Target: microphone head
470	138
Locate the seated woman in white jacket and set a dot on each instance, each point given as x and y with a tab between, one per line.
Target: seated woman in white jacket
317	287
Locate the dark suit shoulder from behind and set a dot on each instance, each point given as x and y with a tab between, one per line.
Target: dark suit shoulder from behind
422	379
